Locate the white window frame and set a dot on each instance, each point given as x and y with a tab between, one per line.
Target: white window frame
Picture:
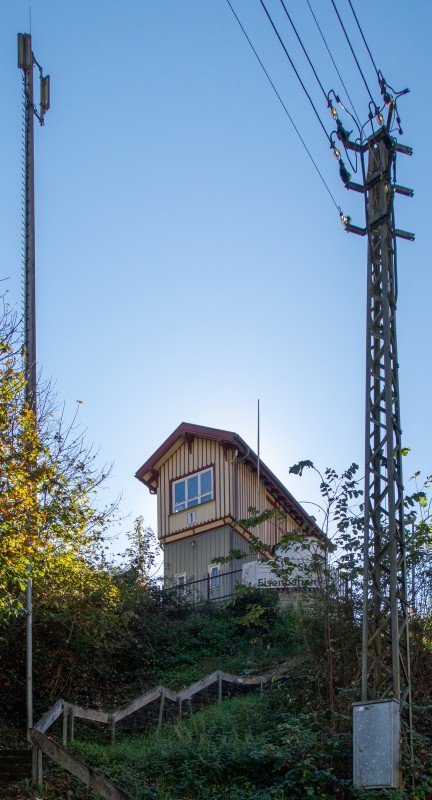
196	500
214	576
180	584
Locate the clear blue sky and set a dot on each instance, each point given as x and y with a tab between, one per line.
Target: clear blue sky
189	259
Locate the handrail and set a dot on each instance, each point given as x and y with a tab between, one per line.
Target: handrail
51	715
110	717
88	775
139	702
70	711
93	714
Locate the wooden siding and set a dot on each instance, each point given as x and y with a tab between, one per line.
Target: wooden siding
188	458
190	549
270	531
204	513
194	555
235	491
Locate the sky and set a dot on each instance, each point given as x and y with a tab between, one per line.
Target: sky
189	258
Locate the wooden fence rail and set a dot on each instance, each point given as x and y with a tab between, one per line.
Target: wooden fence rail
91	777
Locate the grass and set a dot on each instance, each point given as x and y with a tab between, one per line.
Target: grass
249	748
217	749
284	744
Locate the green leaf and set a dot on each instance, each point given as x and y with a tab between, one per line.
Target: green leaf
297	469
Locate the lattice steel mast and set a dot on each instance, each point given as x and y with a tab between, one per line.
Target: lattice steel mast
385	645
385	655
385	665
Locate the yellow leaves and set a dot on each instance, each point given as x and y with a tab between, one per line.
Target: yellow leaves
47	480
73	580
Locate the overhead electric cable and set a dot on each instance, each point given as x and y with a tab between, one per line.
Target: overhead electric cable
334	63
365	42
296	72
303	48
354	55
283	106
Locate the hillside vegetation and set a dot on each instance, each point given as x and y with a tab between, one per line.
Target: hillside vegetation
294	741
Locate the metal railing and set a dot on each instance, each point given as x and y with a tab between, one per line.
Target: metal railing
204	590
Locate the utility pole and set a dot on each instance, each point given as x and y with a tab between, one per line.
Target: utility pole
26	62
385	651
386	682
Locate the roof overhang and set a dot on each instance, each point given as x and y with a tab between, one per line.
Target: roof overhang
148	474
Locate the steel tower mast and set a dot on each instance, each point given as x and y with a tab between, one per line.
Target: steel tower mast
385	656
385	651
26	62
385	646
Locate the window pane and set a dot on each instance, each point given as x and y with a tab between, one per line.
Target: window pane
214	577
179	492
191	491
206	482
192	486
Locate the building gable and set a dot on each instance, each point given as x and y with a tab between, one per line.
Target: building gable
194	449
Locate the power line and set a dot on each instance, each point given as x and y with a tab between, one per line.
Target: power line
295	70
363	37
303	48
354	55
334	63
284	106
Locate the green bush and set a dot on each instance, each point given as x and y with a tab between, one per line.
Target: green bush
255	611
251	748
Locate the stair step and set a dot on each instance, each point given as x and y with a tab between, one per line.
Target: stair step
15	765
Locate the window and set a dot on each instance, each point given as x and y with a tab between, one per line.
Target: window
180	580
214	573
193	490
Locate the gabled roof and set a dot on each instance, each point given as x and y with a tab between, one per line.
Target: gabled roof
148	473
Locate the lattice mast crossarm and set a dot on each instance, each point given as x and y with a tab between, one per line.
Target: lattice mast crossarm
385	651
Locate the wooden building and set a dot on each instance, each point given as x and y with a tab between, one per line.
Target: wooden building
206	480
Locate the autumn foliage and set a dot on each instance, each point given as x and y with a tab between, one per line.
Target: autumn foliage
47	477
